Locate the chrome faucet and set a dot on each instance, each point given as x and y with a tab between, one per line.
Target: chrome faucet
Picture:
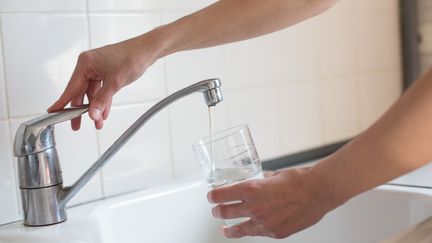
40	177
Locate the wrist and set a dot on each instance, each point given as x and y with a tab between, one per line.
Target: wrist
326	187
160	41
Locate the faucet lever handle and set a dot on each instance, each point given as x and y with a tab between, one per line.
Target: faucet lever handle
38	134
61	116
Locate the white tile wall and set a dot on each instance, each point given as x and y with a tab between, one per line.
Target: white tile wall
8	187
123	5
111	28
40	53
145	160
76	158
317	82
188	127
377	93
340	44
374	50
258	107
41	5
300	112
280	57
340	113
3	106
188	5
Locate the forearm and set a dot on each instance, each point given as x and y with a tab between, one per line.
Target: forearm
397	143
234	20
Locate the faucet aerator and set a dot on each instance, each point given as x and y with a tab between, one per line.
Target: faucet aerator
213	96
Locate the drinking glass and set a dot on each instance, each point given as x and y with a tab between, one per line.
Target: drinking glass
228	157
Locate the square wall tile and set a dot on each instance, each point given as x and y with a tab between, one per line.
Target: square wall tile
3	104
288	55
377	92
188	67
123	5
40	54
336	42
41	5
9	205
189	120
188	5
111	28
368	6
339	108
77	152
377	41
145	160
301	116
258	108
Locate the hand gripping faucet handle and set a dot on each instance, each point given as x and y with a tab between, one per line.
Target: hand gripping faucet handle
36	135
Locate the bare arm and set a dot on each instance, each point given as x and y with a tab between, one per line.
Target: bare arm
101	72
293	199
399	142
229	21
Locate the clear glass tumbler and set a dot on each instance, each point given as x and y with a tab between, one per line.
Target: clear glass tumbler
229	158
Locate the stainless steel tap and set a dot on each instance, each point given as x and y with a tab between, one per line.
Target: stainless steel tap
40	177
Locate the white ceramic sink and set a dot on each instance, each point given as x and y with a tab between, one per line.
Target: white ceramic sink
181	214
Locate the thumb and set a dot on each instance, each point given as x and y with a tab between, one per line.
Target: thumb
100	102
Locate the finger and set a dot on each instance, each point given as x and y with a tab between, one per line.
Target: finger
94	87
73	88
106	112
100	102
230	211
76	122
226	194
246	228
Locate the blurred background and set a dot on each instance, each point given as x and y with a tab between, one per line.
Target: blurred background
314	84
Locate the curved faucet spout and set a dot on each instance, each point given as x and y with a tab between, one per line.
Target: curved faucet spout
40	177
212	95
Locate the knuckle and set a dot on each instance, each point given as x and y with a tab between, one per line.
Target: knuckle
84	56
116	84
252	187
98	101
256	212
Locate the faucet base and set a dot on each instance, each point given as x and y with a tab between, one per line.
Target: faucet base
41	206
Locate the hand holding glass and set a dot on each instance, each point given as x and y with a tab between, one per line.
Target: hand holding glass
230	157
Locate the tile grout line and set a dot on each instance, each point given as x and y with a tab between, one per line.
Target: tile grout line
169	111
170	128
4	69
97	133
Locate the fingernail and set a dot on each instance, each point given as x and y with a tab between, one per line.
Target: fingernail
209	197
96	114
214	212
